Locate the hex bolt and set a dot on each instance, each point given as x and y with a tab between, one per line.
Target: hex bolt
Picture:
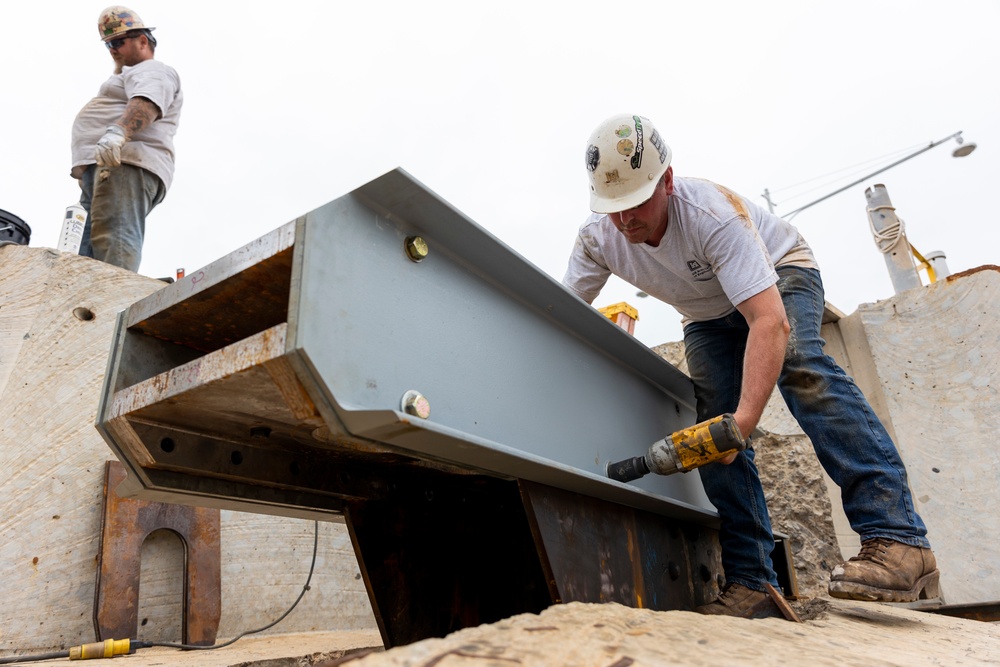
415	404
416	248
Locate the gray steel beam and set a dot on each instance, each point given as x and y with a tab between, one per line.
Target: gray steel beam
295	351
277	378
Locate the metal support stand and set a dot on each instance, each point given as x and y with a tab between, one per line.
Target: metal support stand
471	550
125	526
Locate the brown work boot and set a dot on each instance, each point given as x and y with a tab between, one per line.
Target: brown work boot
738	600
887	571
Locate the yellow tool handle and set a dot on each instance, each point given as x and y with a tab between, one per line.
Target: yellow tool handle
106	649
708	441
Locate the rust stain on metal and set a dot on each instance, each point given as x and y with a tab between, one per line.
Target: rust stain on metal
222	314
969	272
635	555
779	600
292	391
247	354
126	523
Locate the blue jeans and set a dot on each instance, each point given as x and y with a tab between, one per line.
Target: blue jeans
117	207
850	441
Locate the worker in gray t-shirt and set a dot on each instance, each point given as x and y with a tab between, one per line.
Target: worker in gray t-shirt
122	144
751	297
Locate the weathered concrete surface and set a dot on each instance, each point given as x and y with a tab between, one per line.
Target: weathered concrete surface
836	633
929	360
52	363
841	634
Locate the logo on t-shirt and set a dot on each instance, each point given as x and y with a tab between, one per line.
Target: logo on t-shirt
698	272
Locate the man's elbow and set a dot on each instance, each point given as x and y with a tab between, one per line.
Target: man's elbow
782	328
775	325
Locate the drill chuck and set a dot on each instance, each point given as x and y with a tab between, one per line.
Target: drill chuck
629	469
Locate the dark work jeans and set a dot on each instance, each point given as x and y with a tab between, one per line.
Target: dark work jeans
850	441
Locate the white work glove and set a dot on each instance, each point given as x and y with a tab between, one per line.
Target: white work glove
109	148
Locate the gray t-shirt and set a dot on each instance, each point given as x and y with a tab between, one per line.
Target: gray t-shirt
153	147
719	250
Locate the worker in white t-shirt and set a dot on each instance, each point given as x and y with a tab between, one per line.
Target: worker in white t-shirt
122	143
751	297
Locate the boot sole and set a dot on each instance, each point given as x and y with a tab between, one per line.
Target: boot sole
927	587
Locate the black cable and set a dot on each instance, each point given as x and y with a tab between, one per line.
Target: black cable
192	647
856	167
188	647
32	658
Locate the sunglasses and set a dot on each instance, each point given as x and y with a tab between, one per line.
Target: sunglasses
120	42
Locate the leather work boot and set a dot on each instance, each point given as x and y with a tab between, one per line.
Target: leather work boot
887	571
738	600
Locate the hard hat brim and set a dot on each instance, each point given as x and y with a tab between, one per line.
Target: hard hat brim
110	37
625	202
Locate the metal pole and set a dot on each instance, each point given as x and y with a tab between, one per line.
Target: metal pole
790	215
890	237
767	198
937	259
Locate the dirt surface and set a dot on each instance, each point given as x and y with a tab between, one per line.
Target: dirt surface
840	634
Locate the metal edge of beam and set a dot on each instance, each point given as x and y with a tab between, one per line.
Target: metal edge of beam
410	434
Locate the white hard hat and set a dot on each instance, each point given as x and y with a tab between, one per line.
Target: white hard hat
626	157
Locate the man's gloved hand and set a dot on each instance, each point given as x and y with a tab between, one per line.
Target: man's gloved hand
109	148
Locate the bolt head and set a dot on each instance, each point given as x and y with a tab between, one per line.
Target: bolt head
414	403
416	248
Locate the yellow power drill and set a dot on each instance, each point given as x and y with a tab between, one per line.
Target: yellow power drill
684	450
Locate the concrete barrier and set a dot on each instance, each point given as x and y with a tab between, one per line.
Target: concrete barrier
57	314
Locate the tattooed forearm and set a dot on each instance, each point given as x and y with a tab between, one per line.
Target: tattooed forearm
139	113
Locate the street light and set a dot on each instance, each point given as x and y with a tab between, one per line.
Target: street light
962	150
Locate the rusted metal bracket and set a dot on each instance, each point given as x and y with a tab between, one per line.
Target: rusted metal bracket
125	525
786	609
452	552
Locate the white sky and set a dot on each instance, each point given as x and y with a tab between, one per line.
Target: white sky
490	106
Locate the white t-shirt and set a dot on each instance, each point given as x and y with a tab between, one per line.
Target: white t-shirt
153	147
719	249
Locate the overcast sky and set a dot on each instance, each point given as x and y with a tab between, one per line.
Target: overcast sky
490	105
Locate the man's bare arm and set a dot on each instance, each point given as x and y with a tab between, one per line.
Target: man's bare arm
765	354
